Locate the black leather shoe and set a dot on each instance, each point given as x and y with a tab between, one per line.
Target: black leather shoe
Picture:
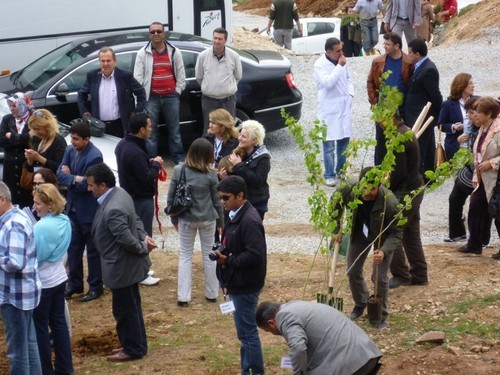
465	250
68	293
455	239
90	296
211	300
496	256
182	303
396	282
357	312
419	282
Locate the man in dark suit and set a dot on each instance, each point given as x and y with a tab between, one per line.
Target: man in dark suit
112	93
423	88
124	247
81	208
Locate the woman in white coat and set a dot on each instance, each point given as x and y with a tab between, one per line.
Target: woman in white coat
335	93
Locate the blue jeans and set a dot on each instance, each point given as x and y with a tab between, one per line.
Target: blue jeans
145	209
251	358
369	33
50	313
168	105
20	336
81	240
332	169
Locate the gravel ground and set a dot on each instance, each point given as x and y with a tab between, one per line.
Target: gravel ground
287	223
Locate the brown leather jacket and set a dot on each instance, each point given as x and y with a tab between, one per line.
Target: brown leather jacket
377	69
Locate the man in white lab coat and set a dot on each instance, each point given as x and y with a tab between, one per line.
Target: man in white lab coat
335	94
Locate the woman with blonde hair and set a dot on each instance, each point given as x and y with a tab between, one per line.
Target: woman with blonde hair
48	145
222	133
255	166
204	217
52	235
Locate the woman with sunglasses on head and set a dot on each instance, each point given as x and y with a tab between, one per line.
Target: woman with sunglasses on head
204	217
48	145
222	134
52	235
15	138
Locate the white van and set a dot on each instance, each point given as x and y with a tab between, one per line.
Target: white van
31	28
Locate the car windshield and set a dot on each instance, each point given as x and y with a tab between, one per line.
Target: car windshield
46	67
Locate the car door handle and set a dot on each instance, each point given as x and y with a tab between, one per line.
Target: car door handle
195	92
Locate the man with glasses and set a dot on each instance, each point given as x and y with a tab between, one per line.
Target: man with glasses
241	268
335	94
20	286
401	68
218	71
159	68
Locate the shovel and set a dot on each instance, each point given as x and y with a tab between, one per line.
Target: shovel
374	305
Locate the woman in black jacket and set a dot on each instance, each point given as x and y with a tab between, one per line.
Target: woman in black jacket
222	134
255	166
15	138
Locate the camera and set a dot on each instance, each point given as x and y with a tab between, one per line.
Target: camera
217	246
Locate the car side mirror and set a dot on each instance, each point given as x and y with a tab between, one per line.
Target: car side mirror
62	90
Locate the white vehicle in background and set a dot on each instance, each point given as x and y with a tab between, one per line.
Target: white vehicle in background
315	32
31	28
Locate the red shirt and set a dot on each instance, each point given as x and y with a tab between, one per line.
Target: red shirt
162	80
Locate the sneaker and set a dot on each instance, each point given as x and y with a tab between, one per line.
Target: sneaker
151	273
455	239
396	282
150	281
357	312
331	182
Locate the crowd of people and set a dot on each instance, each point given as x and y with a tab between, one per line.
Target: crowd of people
77	205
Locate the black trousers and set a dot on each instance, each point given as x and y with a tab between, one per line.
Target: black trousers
478	218
456	200
412	246
127	311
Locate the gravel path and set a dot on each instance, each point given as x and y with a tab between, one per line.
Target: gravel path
287	223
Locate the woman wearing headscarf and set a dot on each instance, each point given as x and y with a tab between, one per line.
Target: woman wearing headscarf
15	138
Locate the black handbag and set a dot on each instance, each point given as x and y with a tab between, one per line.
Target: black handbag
97	127
494	205
182	198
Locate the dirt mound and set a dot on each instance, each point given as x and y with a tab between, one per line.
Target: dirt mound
470	24
308	8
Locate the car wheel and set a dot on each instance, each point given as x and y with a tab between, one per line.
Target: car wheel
240	117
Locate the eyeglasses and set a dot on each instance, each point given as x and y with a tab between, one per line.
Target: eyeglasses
224	197
152	32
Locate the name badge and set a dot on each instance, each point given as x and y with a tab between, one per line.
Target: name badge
365	230
227	307
286	362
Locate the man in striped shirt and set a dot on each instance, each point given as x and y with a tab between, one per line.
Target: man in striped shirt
159	68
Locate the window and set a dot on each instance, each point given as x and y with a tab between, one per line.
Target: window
318	28
189	59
